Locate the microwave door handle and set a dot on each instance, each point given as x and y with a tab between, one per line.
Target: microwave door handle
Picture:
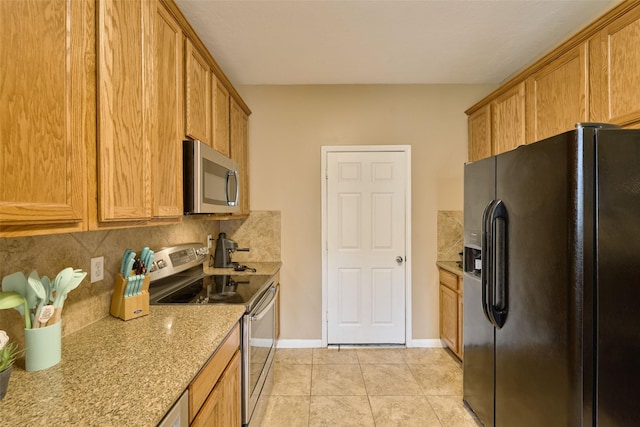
237	179
228	177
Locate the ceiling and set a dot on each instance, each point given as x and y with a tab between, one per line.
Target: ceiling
383	41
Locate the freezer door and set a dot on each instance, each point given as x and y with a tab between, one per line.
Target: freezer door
618	287
537	357
479	190
478	333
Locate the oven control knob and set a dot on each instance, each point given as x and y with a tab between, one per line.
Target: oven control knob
202	251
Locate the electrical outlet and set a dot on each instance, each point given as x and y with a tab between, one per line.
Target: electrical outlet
97	269
209	241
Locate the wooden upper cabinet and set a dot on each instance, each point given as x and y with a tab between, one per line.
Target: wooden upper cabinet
47	114
198	95
239	136
508	120
166	152
220	117
615	70
125	100
557	96
479	124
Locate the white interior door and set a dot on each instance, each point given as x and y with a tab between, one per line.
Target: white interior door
366	247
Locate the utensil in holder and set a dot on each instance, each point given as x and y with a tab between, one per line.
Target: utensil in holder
130	307
43	347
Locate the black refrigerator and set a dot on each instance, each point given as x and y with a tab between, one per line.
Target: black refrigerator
552	282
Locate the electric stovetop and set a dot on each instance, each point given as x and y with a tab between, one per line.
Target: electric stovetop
177	277
215	289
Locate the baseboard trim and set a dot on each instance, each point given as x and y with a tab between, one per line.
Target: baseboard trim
299	343
423	343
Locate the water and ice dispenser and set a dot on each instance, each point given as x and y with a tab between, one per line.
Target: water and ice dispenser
472	261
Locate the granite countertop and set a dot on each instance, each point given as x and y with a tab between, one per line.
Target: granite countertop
450	266
268	268
117	373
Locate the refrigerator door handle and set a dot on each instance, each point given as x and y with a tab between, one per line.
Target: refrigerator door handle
498	287
487	262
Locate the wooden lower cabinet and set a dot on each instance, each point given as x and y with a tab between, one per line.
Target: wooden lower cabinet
214	395
230	414
460	321
449	317
451	311
222	407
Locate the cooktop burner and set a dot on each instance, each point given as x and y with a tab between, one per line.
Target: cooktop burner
215	289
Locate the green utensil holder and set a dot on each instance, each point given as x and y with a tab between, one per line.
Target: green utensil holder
43	347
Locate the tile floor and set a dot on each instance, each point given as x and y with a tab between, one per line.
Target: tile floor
363	387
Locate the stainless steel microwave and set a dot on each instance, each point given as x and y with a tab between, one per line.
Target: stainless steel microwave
211	180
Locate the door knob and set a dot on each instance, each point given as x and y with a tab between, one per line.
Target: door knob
399	259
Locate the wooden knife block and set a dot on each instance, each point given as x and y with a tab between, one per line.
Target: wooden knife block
130	307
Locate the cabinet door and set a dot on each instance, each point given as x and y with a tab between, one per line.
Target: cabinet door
211	410
449	317
479	124
557	95
166	153
231	414
240	152
125	105
508	120
220	117
222	406
198	99
460	319
47	114
615	69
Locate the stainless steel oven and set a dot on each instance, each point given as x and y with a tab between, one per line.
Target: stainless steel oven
259	340
177	277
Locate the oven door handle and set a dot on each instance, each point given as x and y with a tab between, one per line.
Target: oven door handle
274	291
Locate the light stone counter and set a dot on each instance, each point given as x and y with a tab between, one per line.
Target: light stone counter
450	266
267	268
117	373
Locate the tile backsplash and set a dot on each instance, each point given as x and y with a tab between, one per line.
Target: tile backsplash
90	301
260	233
450	235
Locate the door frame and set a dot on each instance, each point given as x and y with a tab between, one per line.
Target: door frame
325	150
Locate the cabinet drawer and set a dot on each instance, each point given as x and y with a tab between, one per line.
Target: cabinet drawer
204	382
448	279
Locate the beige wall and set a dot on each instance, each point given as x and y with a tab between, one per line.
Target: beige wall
288	126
